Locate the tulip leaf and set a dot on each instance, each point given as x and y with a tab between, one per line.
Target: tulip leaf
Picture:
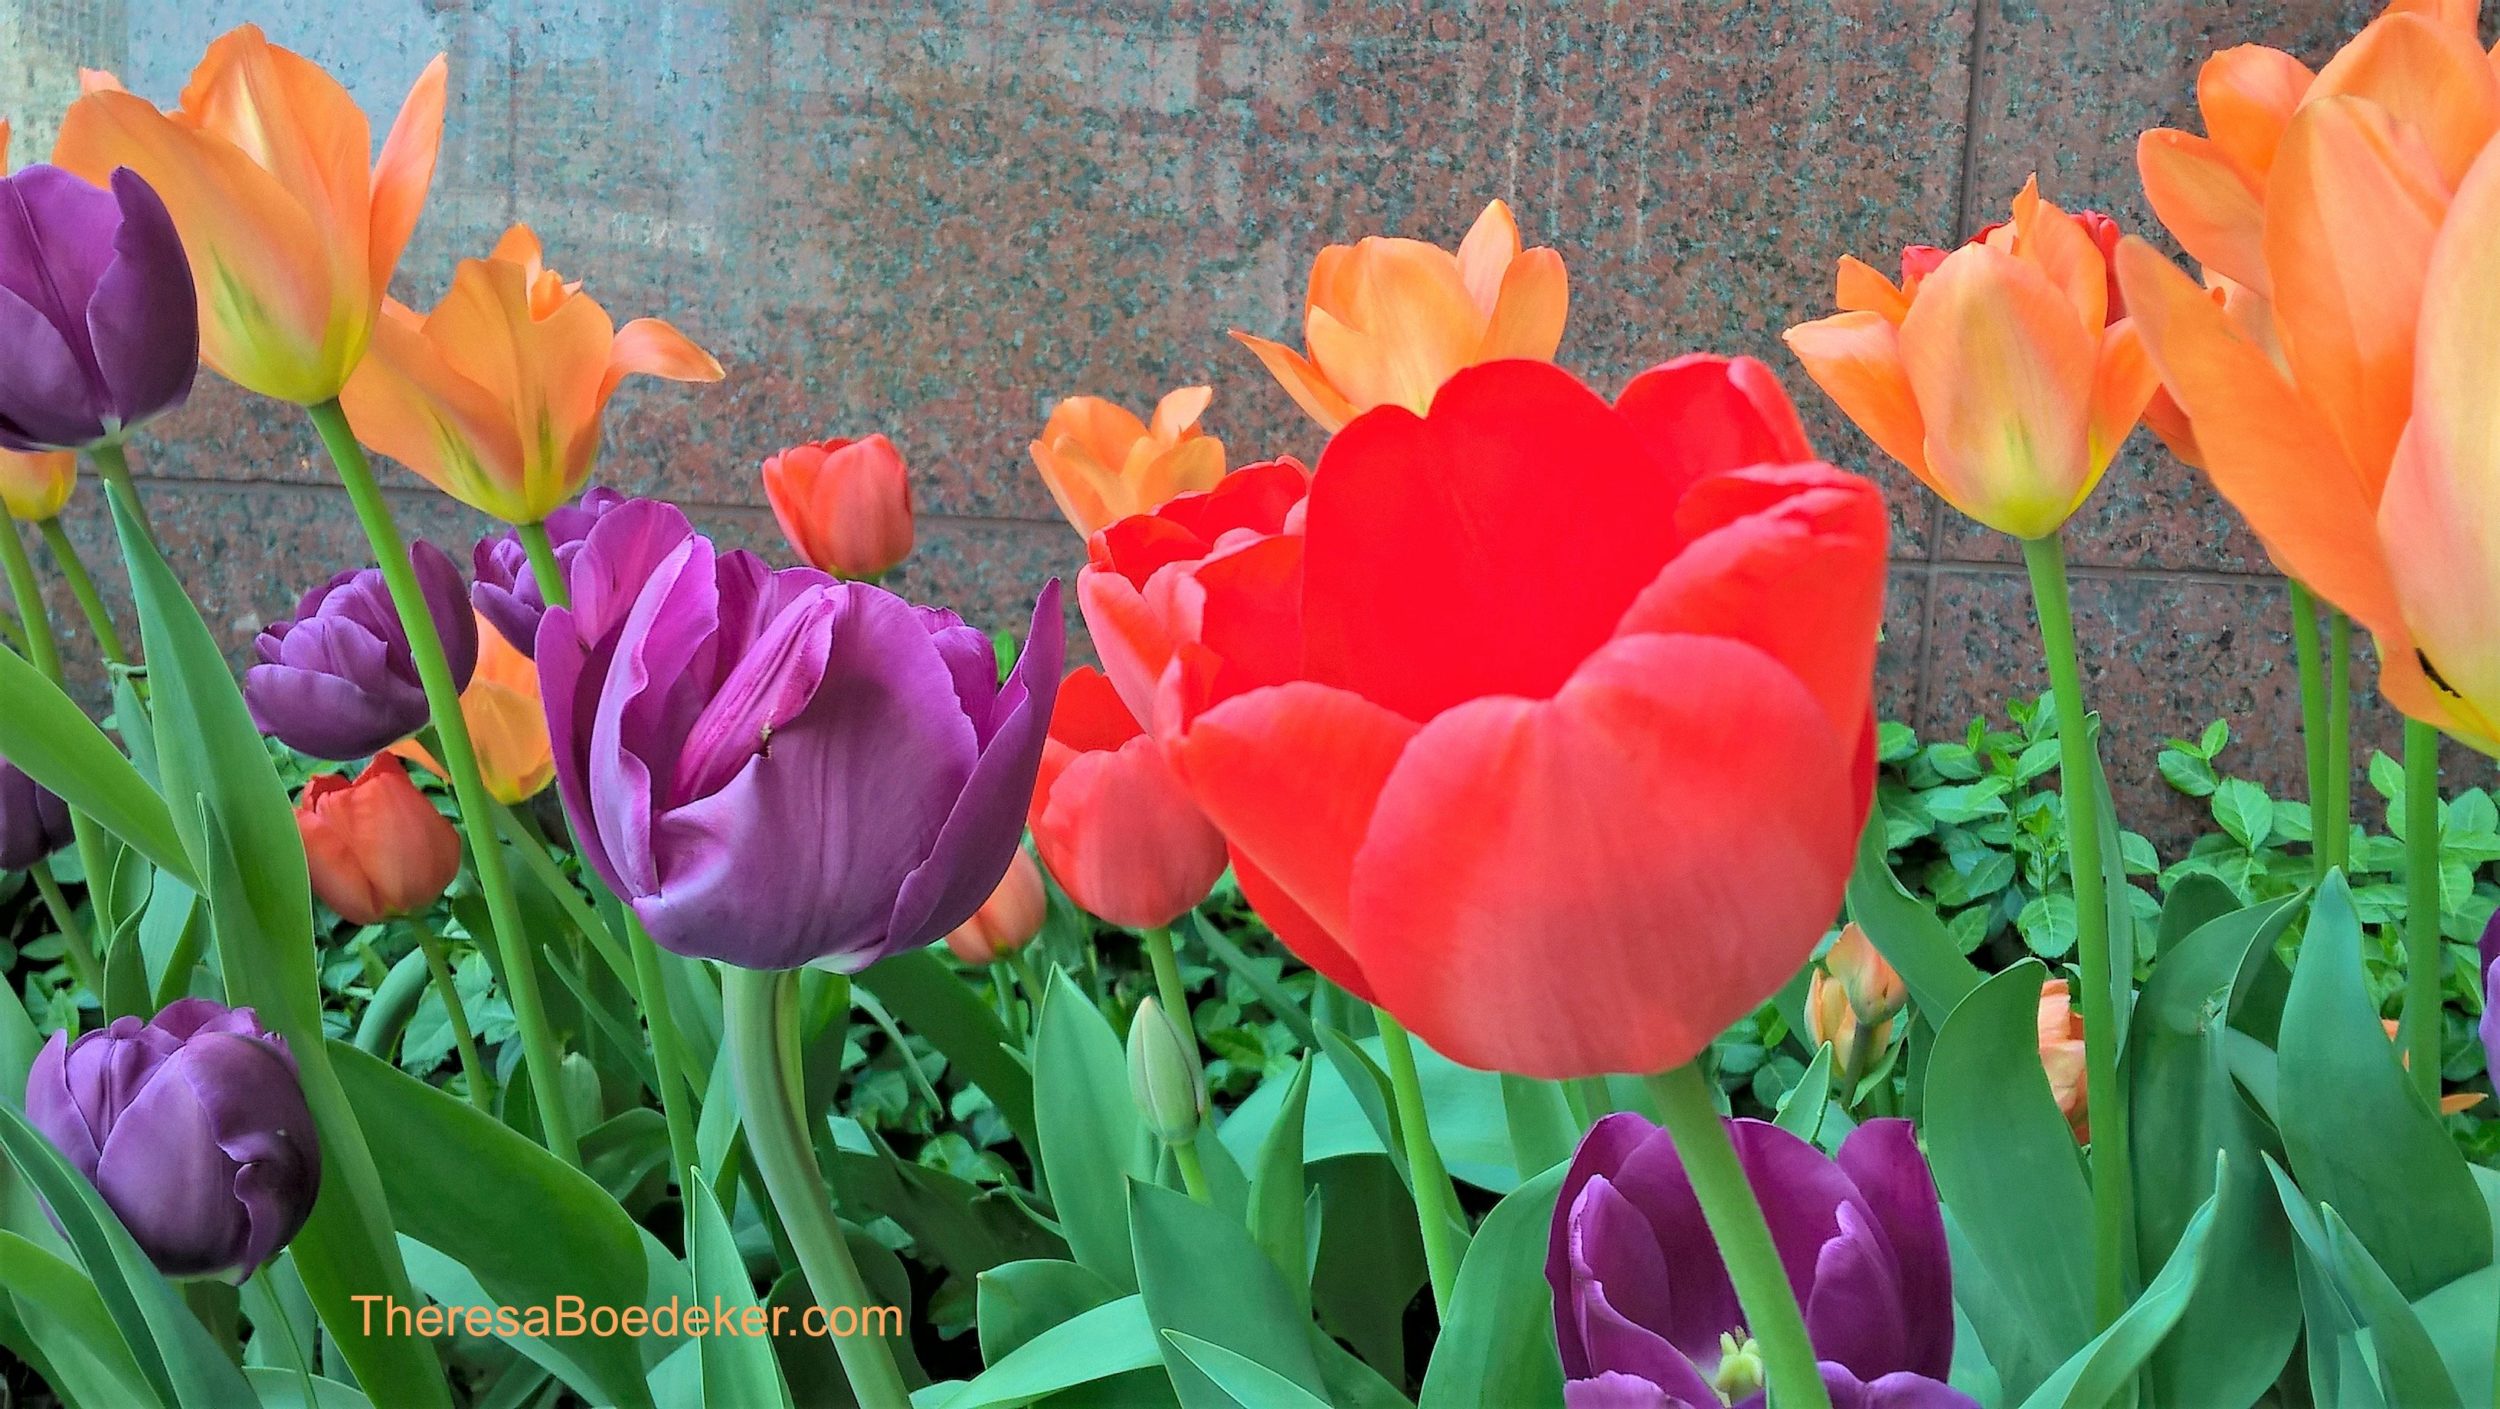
1261	981
1801	1110
1110	1339
739	1369
1018	1301
1248	1383
1498	1344
1091	1138
1369	1085
1279	1190
1201	1274
548	1232
1370	1258
2338	1374
2409	1368
2357	1134
2008	1169
284	1389
1542	1133
46	734
66	1317
2103	1372
928	999
1906	932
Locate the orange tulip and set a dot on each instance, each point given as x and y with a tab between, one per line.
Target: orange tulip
495	396
1111	820
1388	320
2061	1055
507	723
1102	464
1994	372
36	486
292	228
1008	920
377	848
2450	1103
844	504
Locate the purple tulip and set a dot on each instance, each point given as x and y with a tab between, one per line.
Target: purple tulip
33	823
507	592
337	681
98	327
194	1129
779	768
1646	1316
2490	954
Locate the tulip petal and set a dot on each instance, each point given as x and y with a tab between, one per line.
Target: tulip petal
408	402
1178	411
2248	94
405	169
1856	359
1406	325
1535	304
163	1175
247	1089
2429	78
46	399
652	348
1119	833
1502	898
1304	382
144	317
1882	1159
1862	288
1854	1314
1616	1390
2207	201
1293	926
1485	255
1700	414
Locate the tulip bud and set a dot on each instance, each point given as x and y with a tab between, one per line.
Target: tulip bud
2061	1054
1164	1075
1008	920
1875	991
377	848
338	680
844	504
104	334
193	1128
36	486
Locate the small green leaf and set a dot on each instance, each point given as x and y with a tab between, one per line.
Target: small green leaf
1279	1191
2187	772
1091	1138
1498	1345
1199	1273
2244	811
1250	1384
735	1369
2047	925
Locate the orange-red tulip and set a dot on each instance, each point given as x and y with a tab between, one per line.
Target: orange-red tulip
1995	373
291	224
2061	1055
36	486
377	848
1387	321
1008	920
1113	824
844	504
507	723
496	395
1102	464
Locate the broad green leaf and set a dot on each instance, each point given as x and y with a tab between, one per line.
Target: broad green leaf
1907	933
2338	1374
2195	900
927	999
66	1317
1370	1257
2103	1372
45	733
1498	1344
1801	1110
2409	1368
1278	1189
1091	1138
1199	1273
736	1370
1018	1301
1110	1339
284	1389
1248	1383
1361	1077
2358	1135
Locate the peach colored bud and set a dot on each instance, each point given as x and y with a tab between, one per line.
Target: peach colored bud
1008	920
2061	1054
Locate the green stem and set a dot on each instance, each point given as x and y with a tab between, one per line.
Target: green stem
463	1037
43	649
2308	653
1436	1203
1193	1173
553	589
1728	1205
1029	980
74	943
2046	558
82	586
540	1051
1168	984
114	467
2422	1014
2331	822
542	867
757	1023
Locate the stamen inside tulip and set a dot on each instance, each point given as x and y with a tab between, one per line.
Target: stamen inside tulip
1739	1376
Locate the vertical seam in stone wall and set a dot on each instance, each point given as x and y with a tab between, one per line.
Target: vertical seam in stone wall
1963	178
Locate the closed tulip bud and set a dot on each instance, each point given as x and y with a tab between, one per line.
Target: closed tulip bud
1875	991
35	486
34	823
1831	1018
377	848
1008	920
1164	1075
338	681
2061	1055
193	1128
844	504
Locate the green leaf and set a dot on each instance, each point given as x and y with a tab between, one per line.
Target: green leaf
2409	1368
2103	1372
45	733
2187	772
2356	1132
1801	1110
1270	992
1542	1133
1091	1138
2047	925
924	997
1906	933
1249	1383
1110	1339
2388	777
1279	1191
2337	1374
1200	1274
2006	1165
1498	1344
284	1389
67	1318
2244	811
735	1369
1018	1301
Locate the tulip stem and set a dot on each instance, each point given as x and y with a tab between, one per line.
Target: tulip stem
463	1037
540	1051
113	465
1030	981
1729	1206
757	1021
82	586
1193	1172
2330	822
542	867
1168	984
43	649
545	570
82	955
2422	1011
1436	1203
2046	558
2309	654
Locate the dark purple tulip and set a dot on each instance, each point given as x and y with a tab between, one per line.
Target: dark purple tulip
779	768
1645	1314
194	1129
33	823
507	592
337	681
2490	953
98	327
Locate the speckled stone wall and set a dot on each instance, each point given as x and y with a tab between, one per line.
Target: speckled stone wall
936	217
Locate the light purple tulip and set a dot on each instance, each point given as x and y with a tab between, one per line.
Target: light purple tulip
507	592
338	680
99	330
194	1129
1644	1313
33	822
779	768
2490	954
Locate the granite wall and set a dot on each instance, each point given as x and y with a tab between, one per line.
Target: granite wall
936	217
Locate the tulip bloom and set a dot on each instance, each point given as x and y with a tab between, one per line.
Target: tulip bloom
2061	1055
506	594
1008	920
1114	826
98	329
844	504
495	397
337	680
1994	373
292	233
34	823
193	1127
1460	780
2487	953
37	486
1644	1312
1102	464
377	848
1387	321
708	713
507	723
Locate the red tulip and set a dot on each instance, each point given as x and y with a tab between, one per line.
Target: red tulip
1112	822
844	504
1552	730
377	848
